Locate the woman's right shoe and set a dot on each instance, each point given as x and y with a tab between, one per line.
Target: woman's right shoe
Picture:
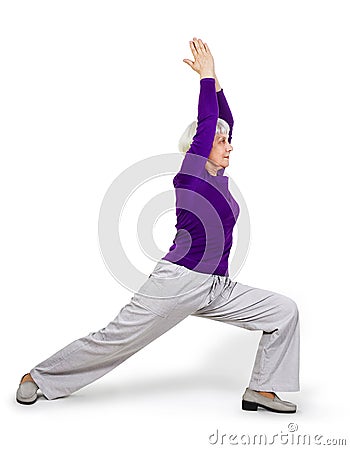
252	399
27	392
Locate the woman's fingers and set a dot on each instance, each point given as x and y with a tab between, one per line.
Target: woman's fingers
198	45
193	49
201	45
189	62
203	60
206	48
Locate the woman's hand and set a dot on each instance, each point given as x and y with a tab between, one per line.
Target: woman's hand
203	62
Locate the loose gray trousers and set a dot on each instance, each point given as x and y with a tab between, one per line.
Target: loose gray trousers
170	294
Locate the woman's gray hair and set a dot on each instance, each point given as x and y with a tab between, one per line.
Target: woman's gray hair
186	139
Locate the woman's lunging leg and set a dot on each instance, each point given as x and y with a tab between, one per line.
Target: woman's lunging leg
90	357
276	366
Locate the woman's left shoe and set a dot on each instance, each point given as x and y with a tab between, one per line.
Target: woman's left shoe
27	392
252	399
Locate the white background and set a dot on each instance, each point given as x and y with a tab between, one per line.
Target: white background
90	87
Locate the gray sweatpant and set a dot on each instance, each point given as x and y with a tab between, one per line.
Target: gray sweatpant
170	294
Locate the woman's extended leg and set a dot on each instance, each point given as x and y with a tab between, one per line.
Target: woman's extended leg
138	323
276	365
90	357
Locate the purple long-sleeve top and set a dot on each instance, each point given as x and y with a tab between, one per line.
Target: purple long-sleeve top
205	209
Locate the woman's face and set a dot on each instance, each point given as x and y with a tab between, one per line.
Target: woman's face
220	151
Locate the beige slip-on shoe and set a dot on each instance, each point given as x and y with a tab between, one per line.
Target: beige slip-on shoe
252	399
27	392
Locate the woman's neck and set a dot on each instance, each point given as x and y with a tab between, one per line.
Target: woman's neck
212	168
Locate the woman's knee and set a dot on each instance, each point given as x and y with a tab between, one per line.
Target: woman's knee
289	308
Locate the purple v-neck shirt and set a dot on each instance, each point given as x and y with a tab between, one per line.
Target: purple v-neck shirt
205	209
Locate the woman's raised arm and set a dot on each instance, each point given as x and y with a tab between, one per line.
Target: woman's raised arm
208	111
203	64
225	111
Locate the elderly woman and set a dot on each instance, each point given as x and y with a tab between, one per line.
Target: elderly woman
192	278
